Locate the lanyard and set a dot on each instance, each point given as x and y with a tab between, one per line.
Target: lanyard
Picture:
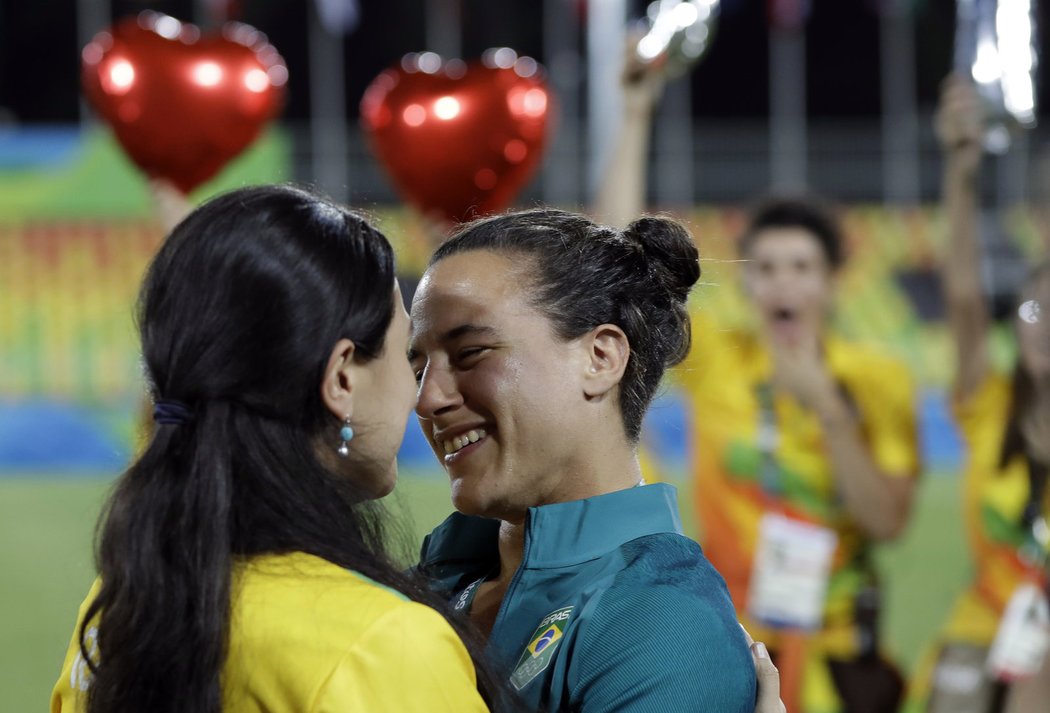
768	438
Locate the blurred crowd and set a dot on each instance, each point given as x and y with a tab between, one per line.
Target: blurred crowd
537	340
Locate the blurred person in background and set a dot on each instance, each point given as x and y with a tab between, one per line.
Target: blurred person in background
996	632
242	559
804	452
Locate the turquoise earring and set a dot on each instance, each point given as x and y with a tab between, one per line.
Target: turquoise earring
346	433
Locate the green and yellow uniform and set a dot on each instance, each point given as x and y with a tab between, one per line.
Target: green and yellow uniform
723	379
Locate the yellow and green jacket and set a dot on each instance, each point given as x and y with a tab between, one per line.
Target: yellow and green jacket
721	380
994	498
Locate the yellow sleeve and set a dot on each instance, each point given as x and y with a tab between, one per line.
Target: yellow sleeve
409	661
982	415
68	693
711	344
890	422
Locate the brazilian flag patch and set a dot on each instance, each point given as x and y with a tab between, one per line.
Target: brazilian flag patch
537	655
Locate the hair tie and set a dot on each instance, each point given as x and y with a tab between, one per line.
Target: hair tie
172	412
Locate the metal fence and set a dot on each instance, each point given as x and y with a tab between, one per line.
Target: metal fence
717	162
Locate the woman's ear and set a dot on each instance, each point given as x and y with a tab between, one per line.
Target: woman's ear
607	351
337	383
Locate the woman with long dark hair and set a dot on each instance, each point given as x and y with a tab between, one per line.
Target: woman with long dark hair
241	558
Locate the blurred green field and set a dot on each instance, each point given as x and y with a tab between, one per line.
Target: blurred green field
46	527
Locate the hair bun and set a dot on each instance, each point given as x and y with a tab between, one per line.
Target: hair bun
669	249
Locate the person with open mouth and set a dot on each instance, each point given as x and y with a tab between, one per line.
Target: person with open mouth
805	456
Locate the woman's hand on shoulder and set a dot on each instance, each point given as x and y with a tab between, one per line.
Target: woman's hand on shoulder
768	678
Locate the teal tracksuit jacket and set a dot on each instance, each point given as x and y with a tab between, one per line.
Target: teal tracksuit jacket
612	609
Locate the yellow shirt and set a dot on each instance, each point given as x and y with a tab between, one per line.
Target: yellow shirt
721	378
308	635
994	499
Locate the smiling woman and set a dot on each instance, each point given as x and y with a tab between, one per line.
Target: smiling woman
539	339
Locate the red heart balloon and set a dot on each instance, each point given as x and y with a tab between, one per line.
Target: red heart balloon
462	140
180	104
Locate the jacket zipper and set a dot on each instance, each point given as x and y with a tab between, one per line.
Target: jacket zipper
513	581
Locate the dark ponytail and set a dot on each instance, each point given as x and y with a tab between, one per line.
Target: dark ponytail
165	560
238	314
585	275
670	253
673	267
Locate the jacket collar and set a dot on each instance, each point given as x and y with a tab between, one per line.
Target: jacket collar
562	534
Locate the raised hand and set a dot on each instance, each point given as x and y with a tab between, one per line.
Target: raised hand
642	81
960	122
799	370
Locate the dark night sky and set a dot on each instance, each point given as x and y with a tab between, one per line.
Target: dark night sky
39	53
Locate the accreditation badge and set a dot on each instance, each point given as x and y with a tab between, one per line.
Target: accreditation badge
1023	638
789	578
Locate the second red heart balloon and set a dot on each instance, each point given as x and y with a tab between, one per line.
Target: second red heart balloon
180	104
460	141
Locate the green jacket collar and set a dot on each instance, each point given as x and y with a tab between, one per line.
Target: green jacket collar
562	534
